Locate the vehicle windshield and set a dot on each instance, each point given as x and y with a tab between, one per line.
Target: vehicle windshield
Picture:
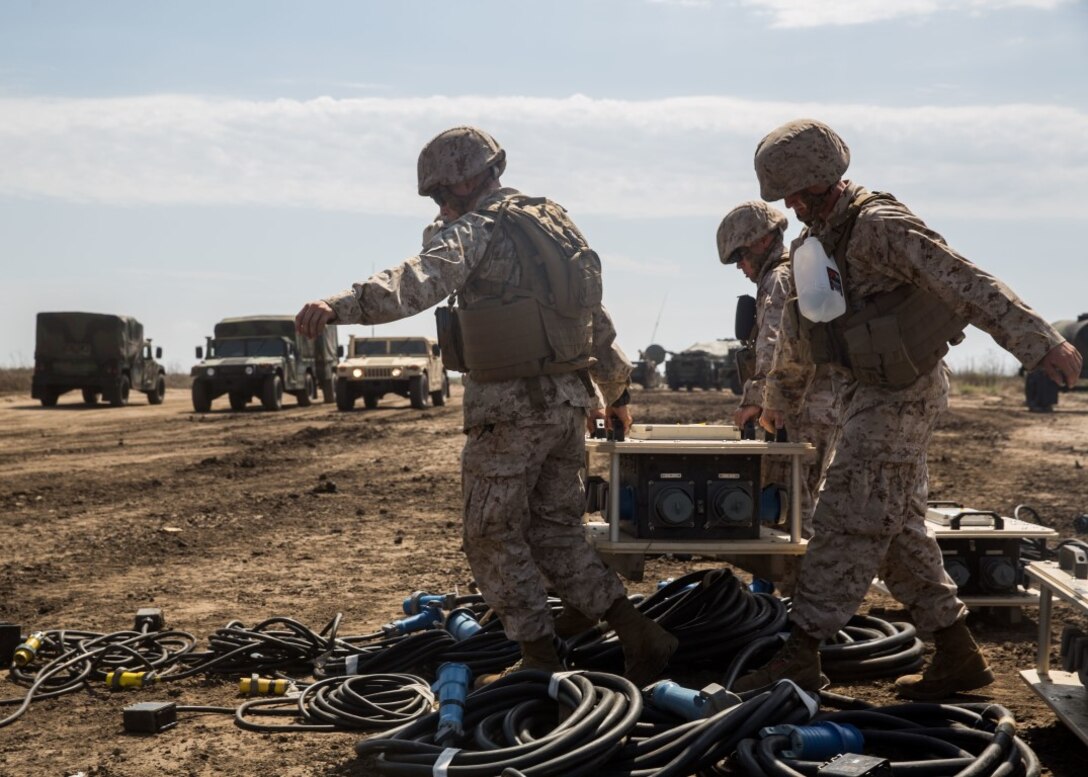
395	347
250	346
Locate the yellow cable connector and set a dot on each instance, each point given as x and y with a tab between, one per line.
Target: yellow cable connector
263	686
118	680
25	653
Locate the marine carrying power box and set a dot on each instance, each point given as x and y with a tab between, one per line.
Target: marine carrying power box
686	496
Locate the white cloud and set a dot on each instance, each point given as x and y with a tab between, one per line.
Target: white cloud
819	13
686	156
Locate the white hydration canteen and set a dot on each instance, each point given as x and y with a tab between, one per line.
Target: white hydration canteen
820	294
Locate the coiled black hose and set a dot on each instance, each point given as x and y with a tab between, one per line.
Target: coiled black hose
662	746
68	659
514	724
711	612
869	647
372	702
967	740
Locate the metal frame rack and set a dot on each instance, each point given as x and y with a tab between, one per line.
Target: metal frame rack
1061	691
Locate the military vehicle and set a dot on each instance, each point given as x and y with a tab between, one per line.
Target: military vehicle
264	357
407	366
100	354
1040	391
644	370
706	365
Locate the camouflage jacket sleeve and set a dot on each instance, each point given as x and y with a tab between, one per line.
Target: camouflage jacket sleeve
418	282
920	256
612	371
775	288
791	368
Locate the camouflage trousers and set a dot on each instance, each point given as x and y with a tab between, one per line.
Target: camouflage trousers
870	514
523	533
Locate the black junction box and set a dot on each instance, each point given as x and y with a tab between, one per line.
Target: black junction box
982	565
150	717
10	639
680	496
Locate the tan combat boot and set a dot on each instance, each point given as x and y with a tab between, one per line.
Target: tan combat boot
571	622
957	665
647	647
537	654
797	660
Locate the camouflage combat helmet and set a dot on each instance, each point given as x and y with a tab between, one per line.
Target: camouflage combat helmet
799	154
457	155
746	224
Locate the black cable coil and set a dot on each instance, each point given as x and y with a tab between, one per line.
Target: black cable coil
711	612
371	702
967	740
514	724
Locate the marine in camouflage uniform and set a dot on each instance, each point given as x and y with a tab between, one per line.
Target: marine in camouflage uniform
523	460
869	516
750	236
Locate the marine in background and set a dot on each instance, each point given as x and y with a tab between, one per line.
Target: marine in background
751	237
539	356
908	296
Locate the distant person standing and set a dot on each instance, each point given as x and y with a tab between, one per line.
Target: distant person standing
751	237
540	358
908	295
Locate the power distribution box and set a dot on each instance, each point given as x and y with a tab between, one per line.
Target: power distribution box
986	566
682	496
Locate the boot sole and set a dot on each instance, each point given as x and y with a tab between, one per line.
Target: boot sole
971	683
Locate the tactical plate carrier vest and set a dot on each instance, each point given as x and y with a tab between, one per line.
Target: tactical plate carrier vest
543	323
889	339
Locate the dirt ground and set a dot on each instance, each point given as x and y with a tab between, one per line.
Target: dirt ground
309	512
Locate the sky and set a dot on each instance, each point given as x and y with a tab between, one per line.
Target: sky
186	162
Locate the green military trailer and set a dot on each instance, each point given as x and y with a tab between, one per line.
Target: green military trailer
264	357
706	365
103	355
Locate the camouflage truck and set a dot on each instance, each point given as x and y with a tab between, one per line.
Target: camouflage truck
644	369
1040	392
706	365
264	357
100	354
407	366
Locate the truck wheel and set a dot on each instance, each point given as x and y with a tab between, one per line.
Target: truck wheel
438	398
309	391
370	401
344	399
119	396
417	391
238	401
1040	392
328	390
49	397
90	397
202	398
272	392
157	394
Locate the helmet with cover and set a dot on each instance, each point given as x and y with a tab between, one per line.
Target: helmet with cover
456	155
744	225
797	155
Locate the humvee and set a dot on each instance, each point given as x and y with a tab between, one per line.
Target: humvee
407	366
100	354
264	357
706	365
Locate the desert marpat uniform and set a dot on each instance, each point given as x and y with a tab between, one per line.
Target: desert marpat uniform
811	395
870	512
522	464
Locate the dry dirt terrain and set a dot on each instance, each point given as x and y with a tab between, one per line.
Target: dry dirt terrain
309	512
